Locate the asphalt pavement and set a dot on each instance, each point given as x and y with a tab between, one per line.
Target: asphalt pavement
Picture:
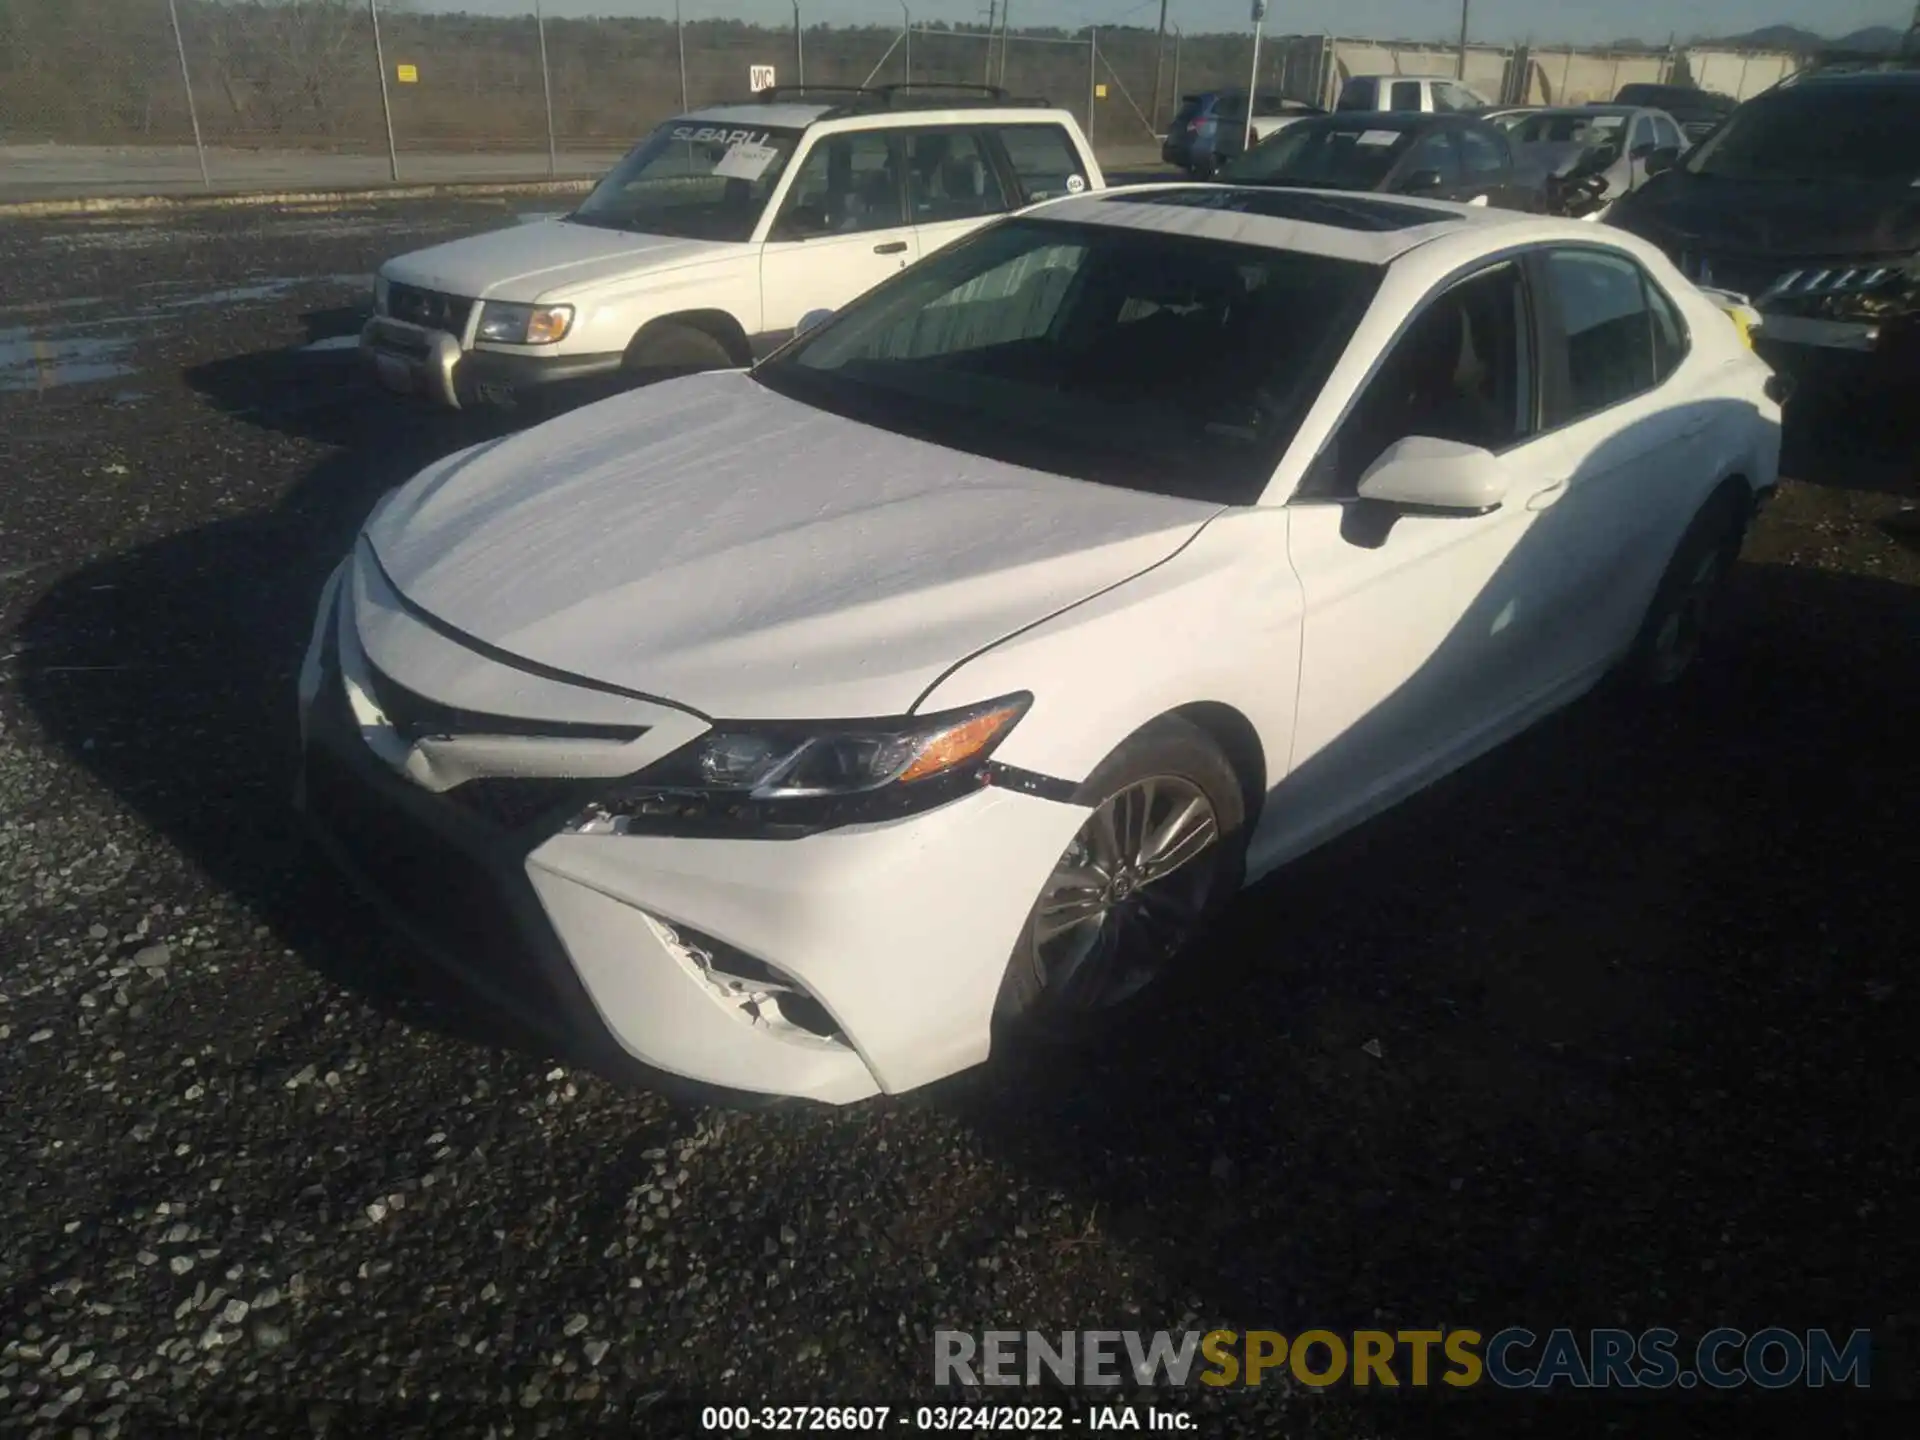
1613	1028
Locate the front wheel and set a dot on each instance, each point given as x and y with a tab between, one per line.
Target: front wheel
1161	855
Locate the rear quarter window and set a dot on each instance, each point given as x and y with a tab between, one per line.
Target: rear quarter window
1043	161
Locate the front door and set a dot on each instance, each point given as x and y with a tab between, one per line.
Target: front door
841	229
1424	637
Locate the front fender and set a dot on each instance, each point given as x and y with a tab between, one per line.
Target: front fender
1217	622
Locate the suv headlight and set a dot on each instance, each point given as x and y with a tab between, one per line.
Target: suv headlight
524	324
799	778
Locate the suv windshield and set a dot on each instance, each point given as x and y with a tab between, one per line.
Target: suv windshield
1818	133
1164	363
1346	156
692	179
1594	132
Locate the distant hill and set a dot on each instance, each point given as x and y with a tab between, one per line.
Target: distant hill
1876	38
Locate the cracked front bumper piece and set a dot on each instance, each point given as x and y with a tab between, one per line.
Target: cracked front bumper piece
830	967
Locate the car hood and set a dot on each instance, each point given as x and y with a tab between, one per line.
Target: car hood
539	260
716	545
1682	211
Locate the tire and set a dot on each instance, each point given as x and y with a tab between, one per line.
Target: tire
1678	618
1170	763
667	348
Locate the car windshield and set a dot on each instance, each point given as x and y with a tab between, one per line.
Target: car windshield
1163	363
693	179
1348	156
1816	134
1593	132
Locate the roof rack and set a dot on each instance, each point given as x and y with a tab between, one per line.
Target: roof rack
919	95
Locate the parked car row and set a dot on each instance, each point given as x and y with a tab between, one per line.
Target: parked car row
806	726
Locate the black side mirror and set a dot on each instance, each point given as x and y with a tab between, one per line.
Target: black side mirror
1420	181
1664	158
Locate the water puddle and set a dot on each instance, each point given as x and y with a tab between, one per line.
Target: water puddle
42	363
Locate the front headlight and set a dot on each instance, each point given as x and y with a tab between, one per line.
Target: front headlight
801	778
524	324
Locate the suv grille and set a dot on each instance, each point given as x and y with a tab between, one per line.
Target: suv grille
431	308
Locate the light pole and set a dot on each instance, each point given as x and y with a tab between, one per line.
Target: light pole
907	16
799	48
1253	80
546	87
1460	65
186	79
386	104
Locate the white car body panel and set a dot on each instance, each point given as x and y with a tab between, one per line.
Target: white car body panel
878	558
707	548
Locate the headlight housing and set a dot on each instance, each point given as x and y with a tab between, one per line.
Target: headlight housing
792	779
1863	292
511	324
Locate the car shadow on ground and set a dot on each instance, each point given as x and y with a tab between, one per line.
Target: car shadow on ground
1610	1028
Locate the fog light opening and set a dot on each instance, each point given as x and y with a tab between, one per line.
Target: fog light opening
762	994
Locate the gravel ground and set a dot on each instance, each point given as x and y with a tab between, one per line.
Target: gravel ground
1613	1028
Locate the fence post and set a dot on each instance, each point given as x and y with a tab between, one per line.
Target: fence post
986	70
386	104
546	87
680	38
1159	59
1460	68
193	113
1176	69
799	48
907	30
1093	61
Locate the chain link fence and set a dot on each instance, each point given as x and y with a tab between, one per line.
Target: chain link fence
388	89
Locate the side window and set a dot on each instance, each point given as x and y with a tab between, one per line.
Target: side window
1483	154
1667	135
1448	96
1462	371
1404	95
1670	340
846	184
1642	135
1043	160
1432	154
1355	95
1603	305
950	178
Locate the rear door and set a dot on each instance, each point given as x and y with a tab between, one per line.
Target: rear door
1041	161
842	228
1627	427
1406	95
955	183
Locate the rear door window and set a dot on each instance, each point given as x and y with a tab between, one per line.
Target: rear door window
1355	95
1609	332
1404	95
1666	134
950	177
1042	161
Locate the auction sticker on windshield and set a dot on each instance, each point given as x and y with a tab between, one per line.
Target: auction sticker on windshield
745	161
1378	137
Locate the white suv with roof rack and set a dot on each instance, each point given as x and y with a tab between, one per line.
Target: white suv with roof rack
711	242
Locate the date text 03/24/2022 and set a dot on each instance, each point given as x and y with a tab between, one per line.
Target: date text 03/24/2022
929	1419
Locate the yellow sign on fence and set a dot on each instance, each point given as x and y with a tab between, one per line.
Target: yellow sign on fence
1099	92
407	74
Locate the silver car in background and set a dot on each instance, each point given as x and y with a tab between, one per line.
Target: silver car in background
1605	151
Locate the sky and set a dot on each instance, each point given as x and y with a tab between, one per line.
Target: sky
1493	21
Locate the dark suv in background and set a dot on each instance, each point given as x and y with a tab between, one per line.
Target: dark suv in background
1210	128
1698	111
1806	200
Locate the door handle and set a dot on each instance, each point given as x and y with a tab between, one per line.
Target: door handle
892	247
1552	493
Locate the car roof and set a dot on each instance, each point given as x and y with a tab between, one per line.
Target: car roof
1338	224
1385	120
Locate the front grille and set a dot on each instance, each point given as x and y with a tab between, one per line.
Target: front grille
515	803
451	897
431	308
416	717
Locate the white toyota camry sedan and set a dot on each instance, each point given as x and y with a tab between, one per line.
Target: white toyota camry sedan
794	730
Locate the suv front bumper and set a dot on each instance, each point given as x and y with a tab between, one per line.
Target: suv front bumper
413	360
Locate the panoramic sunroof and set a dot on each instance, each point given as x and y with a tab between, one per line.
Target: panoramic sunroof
1357	212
